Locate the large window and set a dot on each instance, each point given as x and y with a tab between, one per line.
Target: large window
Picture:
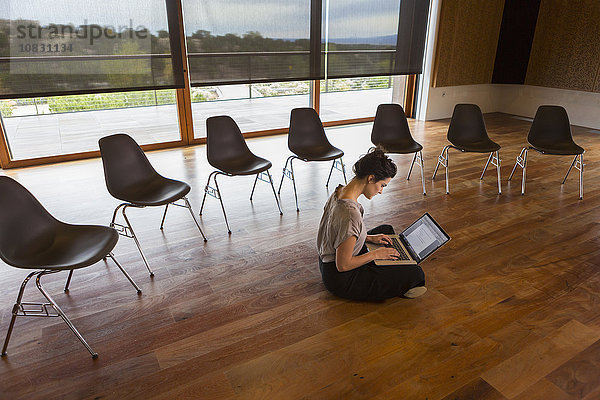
352	98
255	107
47	126
72	73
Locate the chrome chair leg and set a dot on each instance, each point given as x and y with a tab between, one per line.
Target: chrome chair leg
441	160
411	166
221	200
61	313
189	207
521	162
418	159
524	173
274	193
128	230
447	172
498	170
578	164
494	158
66	289
254	186
164	215
129	278
214	192
289	173
330	171
112	257
517	163
486	165
422	164
343	170
581	166
15	311
294	183
137	243
285	174
186	204
581	176
206	190
573	163
260	176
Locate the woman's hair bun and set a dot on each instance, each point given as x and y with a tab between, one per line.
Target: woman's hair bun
375	163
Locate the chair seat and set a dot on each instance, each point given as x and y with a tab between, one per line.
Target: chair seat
482	146
319	153
247	165
564	148
156	192
405	147
72	247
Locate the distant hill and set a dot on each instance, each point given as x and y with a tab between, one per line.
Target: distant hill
387	40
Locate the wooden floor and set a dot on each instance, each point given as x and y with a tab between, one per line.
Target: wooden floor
512	310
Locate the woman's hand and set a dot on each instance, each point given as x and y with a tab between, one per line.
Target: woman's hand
386	253
379	239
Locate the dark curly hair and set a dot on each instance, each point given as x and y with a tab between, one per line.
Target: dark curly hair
375	163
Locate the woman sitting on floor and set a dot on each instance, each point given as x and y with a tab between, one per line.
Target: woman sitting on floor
347	267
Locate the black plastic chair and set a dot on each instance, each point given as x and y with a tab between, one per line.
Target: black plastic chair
391	133
550	133
31	238
467	133
131	178
228	153
308	142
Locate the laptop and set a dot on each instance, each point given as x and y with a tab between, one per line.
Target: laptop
417	242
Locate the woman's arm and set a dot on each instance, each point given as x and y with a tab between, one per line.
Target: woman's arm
345	261
379	239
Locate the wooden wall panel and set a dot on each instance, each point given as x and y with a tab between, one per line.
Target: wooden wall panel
566	46
467	41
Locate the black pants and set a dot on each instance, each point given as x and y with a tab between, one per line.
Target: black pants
371	282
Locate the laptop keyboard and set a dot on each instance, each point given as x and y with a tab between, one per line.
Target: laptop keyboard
396	245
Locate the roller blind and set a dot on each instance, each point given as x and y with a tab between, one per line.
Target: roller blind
374	37
61	47
241	41
66	47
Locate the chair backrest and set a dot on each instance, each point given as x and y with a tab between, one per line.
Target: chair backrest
306	130
224	140
390	125
467	125
550	126
125	163
25	225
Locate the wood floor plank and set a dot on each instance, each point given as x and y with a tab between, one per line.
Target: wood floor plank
579	376
542	390
476	390
450	375
515	375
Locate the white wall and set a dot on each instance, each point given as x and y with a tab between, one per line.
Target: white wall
441	101
583	107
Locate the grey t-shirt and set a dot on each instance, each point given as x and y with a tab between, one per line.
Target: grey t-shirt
341	219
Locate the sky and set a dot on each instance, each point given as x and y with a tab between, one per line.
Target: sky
284	19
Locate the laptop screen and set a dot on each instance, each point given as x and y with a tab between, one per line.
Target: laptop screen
424	237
